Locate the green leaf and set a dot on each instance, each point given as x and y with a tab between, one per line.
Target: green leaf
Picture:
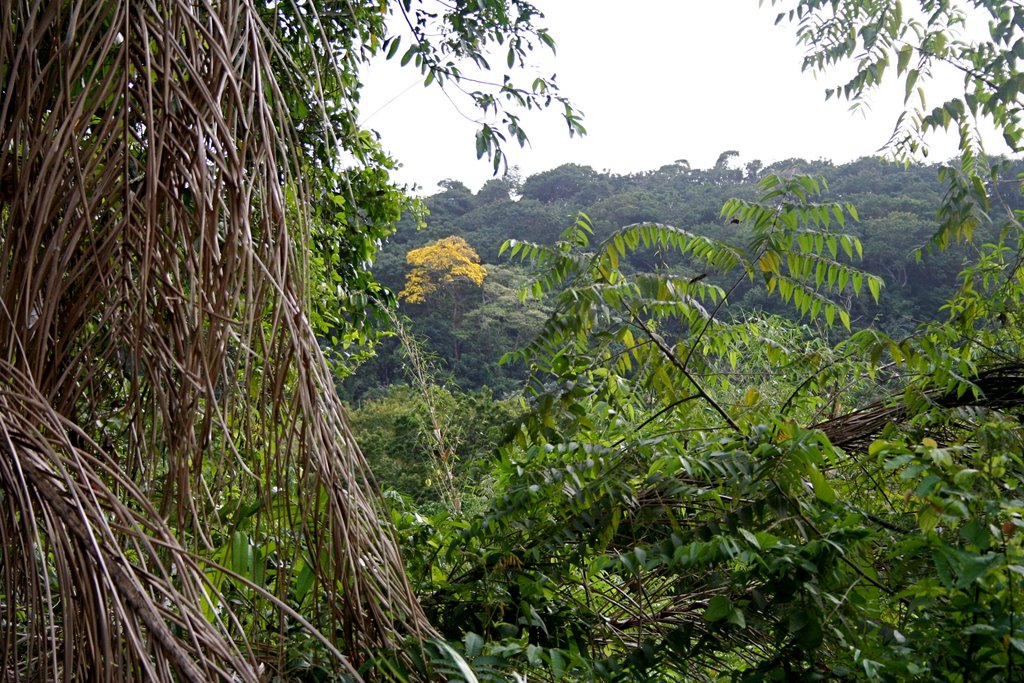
822	489
460	663
481	142
407	57
972	567
303	581
806	628
928	517
912	76
474	644
241	554
719	608
557	665
875	287
903	58
393	47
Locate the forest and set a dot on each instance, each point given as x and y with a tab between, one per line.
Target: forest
266	416
895	206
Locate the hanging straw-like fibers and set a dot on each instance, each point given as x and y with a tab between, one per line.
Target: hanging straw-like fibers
164	405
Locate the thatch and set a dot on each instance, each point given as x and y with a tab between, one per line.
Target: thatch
158	366
1000	388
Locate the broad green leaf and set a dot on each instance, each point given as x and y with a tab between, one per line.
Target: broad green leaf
241	554
474	644
875	286
719	608
457	659
737	618
877	446
928	517
822	489
557	665
903	58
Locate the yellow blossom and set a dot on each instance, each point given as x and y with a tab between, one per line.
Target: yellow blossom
440	262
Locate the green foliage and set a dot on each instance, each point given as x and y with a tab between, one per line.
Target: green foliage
959	554
396	434
885	40
607	495
565	184
443	44
361	209
668	510
897	205
698	492
791	249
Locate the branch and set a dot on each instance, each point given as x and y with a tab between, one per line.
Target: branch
671	356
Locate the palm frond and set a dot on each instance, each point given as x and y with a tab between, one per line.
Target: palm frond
160	372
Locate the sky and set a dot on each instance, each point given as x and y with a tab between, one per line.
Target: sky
658	81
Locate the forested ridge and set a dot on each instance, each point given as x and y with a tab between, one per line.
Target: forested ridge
895	204
751	423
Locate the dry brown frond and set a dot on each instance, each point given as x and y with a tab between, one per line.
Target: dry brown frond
997	388
158	368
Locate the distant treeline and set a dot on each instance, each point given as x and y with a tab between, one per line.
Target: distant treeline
897	207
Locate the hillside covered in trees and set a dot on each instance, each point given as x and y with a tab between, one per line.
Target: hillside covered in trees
468	327
757	447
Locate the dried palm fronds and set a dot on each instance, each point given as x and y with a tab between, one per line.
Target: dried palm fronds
162	396
999	388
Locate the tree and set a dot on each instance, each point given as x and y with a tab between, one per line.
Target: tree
565	183
495	190
605	546
398	434
881	40
445	262
687	496
440	270
180	495
919	41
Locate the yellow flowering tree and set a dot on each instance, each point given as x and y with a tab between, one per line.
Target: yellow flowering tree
440	271
445	262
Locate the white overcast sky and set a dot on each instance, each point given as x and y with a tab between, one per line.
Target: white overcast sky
657	80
